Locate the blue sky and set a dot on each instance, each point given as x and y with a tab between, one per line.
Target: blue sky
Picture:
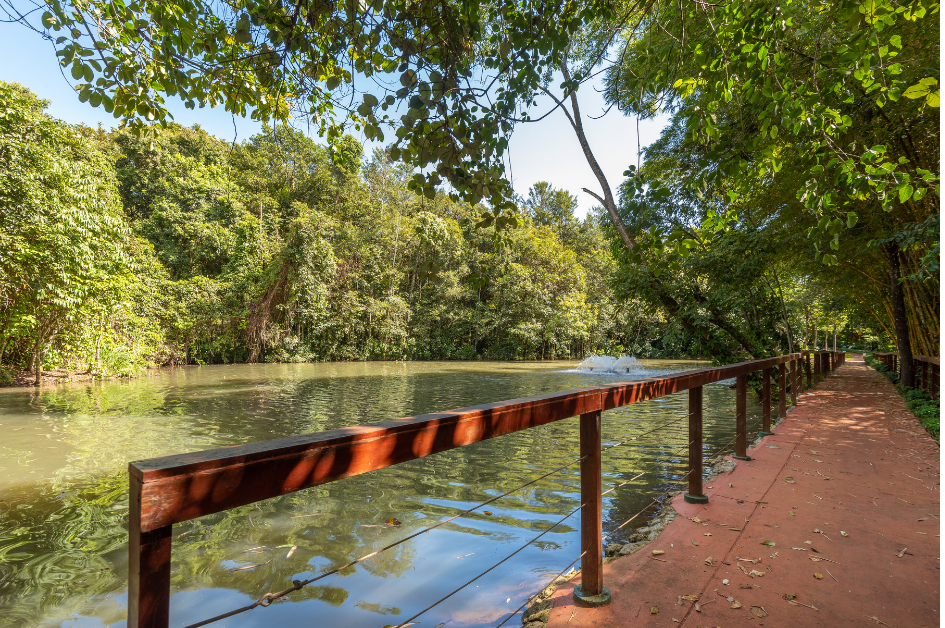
539	151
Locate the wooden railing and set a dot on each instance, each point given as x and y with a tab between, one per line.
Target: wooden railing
926	369
173	489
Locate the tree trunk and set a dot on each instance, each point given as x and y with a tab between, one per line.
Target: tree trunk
834	332
899	315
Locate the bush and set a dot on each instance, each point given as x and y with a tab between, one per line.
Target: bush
925	408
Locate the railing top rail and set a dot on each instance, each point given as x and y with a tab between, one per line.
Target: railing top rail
920	358
181	487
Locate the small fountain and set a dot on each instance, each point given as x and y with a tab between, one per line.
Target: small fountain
609	364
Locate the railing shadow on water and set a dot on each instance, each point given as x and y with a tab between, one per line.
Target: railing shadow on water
172	489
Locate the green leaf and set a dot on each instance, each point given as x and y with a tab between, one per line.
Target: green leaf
851	220
918	90
905	193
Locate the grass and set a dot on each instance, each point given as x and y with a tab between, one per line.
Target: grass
926	409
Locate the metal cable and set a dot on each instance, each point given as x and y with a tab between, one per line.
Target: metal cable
560	573
656	429
644	472
267	599
463	586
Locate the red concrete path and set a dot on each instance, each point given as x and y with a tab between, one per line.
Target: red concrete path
851	461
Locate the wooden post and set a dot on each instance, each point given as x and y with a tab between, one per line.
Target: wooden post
741	418
817	364
782	391
149	566
810	376
795	381
695	494
766	402
591	591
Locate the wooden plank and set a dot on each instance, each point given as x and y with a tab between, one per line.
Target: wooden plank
149	568
782	391
741	418
186	486
695	442
592	516
766	400
625	393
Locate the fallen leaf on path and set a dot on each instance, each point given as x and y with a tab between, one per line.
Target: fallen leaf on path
768	543
736	604
706	534
745	586
693	542
878	620
708	561
654	610
899	555
791	512
819	576
696	520
759	611
753	561
754	573
658	552
789	596
789	480
842	533
742	567
735	529
691	598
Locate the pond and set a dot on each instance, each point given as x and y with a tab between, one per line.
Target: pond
64	492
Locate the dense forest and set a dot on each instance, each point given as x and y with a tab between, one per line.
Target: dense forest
121	251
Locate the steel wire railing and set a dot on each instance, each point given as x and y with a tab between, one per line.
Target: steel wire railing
652	503
297	585
165	491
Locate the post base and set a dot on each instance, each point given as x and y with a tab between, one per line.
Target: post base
764	433
591	600
696	499
746	458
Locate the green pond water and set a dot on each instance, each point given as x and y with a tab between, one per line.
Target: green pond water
64	498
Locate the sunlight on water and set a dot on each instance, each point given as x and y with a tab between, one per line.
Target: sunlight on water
64	503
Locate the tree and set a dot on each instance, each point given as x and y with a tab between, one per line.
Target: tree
63	240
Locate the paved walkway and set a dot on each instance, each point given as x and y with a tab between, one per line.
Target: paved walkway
850	478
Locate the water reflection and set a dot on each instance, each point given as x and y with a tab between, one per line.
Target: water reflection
63	492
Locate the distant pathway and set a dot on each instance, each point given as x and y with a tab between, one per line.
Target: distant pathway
850	461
